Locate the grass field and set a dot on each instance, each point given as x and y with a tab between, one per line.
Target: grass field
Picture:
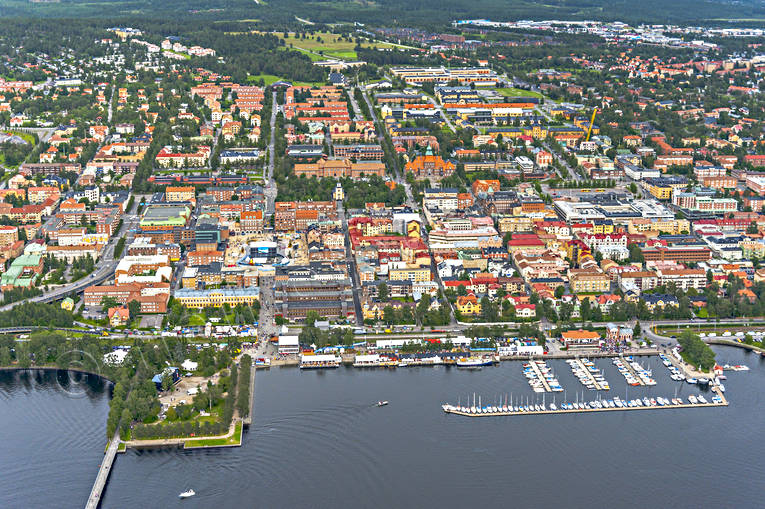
234	439
518	92
197	319
326	45
270	79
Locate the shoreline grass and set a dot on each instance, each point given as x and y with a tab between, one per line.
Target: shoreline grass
234	439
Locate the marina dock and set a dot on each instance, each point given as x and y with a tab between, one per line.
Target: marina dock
103	473
489	412
631	370
540	375
580	364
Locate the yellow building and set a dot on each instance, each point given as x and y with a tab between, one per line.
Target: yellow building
179	193
604	228
372	311
660	192
468	305
406	272
513	224
216	297
661	188
588	281
670	227
413	229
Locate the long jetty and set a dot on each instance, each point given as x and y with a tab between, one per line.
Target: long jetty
103	473
454	410
631	370
589	375
540	375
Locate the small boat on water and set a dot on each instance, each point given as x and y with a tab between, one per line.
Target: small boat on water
474	362
382	403
187	494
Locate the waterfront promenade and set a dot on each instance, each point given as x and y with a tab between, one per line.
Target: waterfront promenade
248	420
103	473
214	441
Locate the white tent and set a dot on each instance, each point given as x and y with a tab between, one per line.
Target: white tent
189	365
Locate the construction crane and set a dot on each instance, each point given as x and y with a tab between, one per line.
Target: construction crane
592	120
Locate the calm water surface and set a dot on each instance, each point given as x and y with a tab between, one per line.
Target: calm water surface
317	440
52	437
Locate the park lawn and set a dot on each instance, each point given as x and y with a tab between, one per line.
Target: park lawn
315	57
197	319
235	439
270	79
345	55
518	92
332	45
29	138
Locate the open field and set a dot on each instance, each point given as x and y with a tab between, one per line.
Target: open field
328	45
270	79
518	92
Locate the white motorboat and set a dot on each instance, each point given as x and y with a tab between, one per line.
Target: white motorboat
187	494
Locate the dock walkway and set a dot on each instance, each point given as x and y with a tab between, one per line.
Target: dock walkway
587	372
723	402
631	370
103	473
540	375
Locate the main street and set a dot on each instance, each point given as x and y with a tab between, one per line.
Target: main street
270	190
351	262
399	176
443	114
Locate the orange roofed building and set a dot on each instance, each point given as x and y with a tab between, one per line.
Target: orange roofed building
340	168
430	167
578	339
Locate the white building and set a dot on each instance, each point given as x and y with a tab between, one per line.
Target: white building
289	345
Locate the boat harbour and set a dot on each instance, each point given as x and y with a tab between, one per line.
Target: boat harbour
598	405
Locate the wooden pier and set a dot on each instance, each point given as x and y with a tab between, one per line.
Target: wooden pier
590	376
723	402
632	370
103	473
540	375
